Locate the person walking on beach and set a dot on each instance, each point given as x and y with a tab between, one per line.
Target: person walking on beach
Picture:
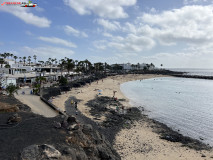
71	102
76	105
117	108
122	109
114	93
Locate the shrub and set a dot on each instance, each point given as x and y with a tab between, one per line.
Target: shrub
63	81
11	89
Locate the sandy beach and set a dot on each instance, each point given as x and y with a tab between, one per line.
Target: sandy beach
107	86
139	142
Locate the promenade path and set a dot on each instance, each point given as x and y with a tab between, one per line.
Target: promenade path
37	106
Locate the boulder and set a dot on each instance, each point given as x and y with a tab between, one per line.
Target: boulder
57	124
87	129
41	152
64	124
73	127
14	119
71	120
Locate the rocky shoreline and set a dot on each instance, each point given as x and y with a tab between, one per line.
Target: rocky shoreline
115	122
169	134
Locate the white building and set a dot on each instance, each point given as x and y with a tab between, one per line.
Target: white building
5	80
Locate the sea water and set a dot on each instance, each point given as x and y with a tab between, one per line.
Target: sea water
183	104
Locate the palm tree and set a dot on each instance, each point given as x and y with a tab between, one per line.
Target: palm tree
98	67
148	66
35	57
24	59
69	65
29	60
4	55
49	63
138	66
152	65
1	61
76	62
37	85
11	55
61	65
15	57
81	66
7	55
52	60
88	65
11	89
161	66
56	61
20	59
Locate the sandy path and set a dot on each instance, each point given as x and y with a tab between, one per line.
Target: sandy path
140	142
37	106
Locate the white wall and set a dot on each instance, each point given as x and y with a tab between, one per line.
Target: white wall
6	81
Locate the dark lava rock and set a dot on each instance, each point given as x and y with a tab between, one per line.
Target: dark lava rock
71	120
15	118
73	127
87	128
41	152
203	155
76	85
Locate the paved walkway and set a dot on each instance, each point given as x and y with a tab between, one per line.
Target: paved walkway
37	106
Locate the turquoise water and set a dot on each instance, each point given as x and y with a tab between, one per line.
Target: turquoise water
181	103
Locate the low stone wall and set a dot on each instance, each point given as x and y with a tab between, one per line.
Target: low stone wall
52	106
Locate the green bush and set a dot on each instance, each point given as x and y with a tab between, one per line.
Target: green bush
11	89
63	81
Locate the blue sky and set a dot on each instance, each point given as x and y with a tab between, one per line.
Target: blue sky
177	33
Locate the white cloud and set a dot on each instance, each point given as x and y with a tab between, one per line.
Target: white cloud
100	44
185	32
131	43
29	33
107	34
25	15
181	60
190	24
112	9
186	2
153	10
48	52
70	30
58	41
112	26
39	9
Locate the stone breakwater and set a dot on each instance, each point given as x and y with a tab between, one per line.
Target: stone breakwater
193	76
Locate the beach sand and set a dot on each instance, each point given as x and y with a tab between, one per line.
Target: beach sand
139	142
88	92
